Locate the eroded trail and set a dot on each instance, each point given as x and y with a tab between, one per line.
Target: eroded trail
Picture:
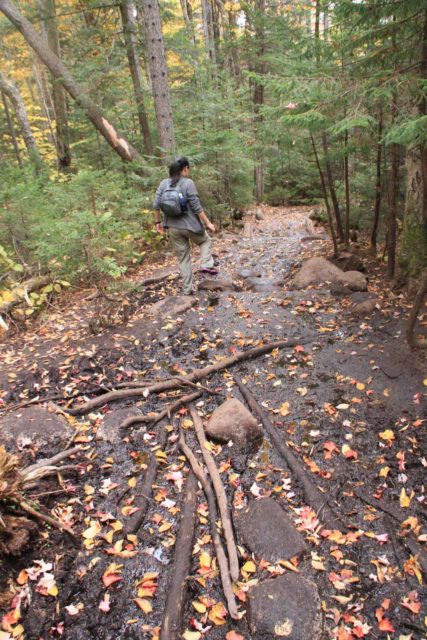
325	493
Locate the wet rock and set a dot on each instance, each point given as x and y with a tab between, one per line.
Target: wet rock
364	308
262	285
287	606
109	430
319	270
171	306
34	426
232	421
265	529
214	284
259	215
348	261
339	290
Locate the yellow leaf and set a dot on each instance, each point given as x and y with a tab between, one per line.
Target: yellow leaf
384	471
360	386
192	635
199	606
144	604
284	409
132	482
205	559
404	499
387	435
92	531
249	567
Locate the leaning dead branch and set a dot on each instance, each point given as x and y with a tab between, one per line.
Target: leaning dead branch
221	496
156	417
194	376
220	553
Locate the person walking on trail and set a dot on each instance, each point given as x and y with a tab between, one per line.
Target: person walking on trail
177	199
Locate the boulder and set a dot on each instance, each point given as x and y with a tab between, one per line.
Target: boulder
364	308
287	606
232	421
171	306
319	270
348	261
34	426
259	215
216	284
265	529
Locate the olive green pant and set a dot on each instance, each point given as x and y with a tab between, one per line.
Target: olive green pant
180	240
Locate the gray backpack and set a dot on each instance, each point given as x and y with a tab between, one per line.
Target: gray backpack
173	202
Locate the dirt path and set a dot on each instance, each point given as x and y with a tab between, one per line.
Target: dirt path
348	401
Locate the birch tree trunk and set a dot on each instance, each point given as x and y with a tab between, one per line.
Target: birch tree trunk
60	72
127	12
159	75
12	92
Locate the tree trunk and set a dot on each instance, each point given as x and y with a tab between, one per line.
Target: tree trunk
13	94
347	193
232	43
59	71
216	29
423	112
208	31
11	129
393	195
325	197
62	138
378	185
331	186
129	31
187	14
258	95
159	75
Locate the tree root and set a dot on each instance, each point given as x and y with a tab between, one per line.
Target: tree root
155	418
313	496
412	340
220	553
57	524
221	496
194	376
174	609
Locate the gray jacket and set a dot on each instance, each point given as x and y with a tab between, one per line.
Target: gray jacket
189	220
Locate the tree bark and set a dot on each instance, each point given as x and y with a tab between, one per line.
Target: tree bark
13	94
378	185
11	129
232	43
347	193
159	75
258	95
62	137
60	72
129	31
331	186
187	14
393	195
325	197
411	338
208	32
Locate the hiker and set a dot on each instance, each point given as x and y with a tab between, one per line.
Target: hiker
177	199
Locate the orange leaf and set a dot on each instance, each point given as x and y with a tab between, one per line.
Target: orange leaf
385	625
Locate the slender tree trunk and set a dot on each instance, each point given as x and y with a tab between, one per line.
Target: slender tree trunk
232	43
62	138
393	195
11	129
159	75
14	96
378	185
208	31
187	14
347	193
130	31
60	72
331	186
216	30
325	197
258	96
423	112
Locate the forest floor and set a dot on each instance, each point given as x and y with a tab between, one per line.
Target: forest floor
347	397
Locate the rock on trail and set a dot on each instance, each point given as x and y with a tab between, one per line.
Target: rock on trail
231	421
317	271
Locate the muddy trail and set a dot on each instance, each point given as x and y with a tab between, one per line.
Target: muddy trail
322	464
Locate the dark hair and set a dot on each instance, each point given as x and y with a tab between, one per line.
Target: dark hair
176	167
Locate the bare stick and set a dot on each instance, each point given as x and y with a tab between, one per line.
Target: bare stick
221	496
169	409
174	609
313	496
194	376
182	379
50	462
32	480
220	553
44	517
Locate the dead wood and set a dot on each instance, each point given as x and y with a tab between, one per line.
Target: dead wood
48	462
194	376
57	524
156	417
174	609
411	338
143	496
21	291
221	496
31	481
312	494
381	505
220	553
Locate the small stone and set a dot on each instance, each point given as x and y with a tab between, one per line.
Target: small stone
364	308
287	606
259	215
213	284
265	529
232	421
34	426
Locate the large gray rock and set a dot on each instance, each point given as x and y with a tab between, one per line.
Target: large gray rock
171	306
232	421
33	426
285	607
319	270
265	529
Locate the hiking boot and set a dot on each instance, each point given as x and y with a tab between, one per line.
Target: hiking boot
210	270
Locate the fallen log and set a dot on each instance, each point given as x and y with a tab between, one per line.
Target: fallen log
174	609
220	553
21	291
167	411
194	376
312	494
221	496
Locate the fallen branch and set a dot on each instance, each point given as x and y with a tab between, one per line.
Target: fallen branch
143	497
21	291
221	496
220	553
32	480
57	524
182	379
174	609
313	496
194	376
155	418
49	462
